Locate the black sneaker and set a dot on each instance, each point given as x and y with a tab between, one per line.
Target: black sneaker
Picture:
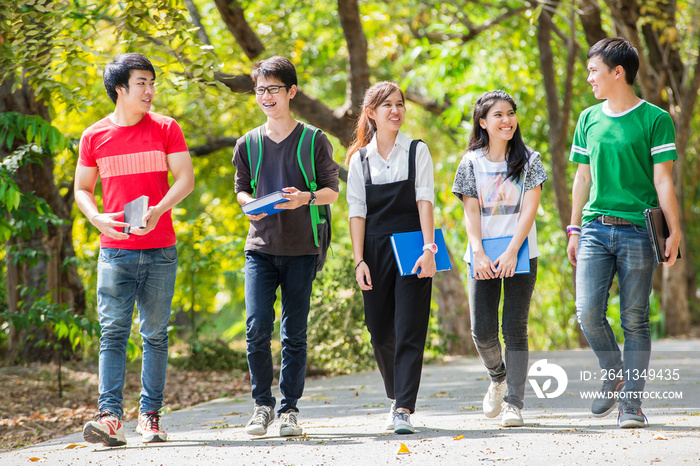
606	403
631	416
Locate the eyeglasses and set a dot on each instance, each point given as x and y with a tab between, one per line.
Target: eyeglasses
260	90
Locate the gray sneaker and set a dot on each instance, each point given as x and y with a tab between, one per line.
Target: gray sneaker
260	421
606	403
631	415
288	424
402	423
390	420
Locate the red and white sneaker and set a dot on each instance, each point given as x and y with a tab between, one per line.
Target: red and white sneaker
149	427
106	429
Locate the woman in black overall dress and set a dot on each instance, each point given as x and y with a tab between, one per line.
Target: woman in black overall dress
390	190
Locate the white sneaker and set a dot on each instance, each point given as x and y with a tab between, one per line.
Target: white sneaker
260	420
106	429
288	424
390	419
511	416
150	428
402	423
494	398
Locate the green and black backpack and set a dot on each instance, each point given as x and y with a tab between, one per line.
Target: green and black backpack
320	215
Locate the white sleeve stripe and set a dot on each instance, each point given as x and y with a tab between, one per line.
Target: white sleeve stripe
663	148
579	150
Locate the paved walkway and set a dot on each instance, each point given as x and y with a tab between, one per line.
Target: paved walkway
343	418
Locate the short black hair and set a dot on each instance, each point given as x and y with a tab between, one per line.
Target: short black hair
615	51
118	72
277	68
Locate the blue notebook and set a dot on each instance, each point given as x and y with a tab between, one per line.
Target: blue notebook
494	247
408	247
265	204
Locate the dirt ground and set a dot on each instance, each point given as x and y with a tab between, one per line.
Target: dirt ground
31	410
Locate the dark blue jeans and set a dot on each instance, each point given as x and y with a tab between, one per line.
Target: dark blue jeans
264	273
625	250
484	299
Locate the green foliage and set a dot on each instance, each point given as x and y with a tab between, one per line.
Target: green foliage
21	213
211	355
338	341
41	311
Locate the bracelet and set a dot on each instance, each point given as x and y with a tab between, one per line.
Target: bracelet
358	264
573	230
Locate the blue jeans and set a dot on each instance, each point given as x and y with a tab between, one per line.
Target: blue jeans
484	299
264	273
603	251
145	277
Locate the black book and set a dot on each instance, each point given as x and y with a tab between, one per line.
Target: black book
658	232
134	212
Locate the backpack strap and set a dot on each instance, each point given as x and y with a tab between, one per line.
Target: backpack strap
253	142
307	165
305	156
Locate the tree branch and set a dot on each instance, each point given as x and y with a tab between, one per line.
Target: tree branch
234	17
589	14
213	145
626	15
431	105
558	117
358	70
197	20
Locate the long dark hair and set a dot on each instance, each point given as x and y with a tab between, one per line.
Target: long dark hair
366	127
516	151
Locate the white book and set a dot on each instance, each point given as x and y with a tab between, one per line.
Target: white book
134	212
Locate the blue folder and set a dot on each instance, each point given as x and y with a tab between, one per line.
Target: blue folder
408	247
265	204
494	247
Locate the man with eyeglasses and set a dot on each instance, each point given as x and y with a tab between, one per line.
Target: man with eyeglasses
280	250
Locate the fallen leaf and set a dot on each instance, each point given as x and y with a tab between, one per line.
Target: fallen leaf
70	446
660	437
37	460
459	437
404	449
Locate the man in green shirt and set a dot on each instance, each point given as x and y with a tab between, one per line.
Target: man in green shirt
625	148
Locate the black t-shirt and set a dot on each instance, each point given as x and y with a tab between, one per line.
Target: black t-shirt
288	233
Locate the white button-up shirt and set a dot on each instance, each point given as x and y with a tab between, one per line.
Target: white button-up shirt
394	168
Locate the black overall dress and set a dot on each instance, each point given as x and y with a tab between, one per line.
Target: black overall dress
397	308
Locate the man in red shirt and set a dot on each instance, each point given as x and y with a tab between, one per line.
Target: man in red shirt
131	151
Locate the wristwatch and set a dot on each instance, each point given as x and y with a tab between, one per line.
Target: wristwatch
432	247
312	201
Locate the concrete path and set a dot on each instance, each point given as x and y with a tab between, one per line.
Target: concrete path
344	417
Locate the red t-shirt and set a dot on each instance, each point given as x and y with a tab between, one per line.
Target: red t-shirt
132	161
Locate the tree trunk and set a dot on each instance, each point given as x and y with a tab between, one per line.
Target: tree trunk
453	311
53	273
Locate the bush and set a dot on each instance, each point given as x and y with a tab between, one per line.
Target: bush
211	355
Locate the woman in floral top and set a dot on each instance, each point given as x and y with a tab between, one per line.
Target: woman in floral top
499	180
